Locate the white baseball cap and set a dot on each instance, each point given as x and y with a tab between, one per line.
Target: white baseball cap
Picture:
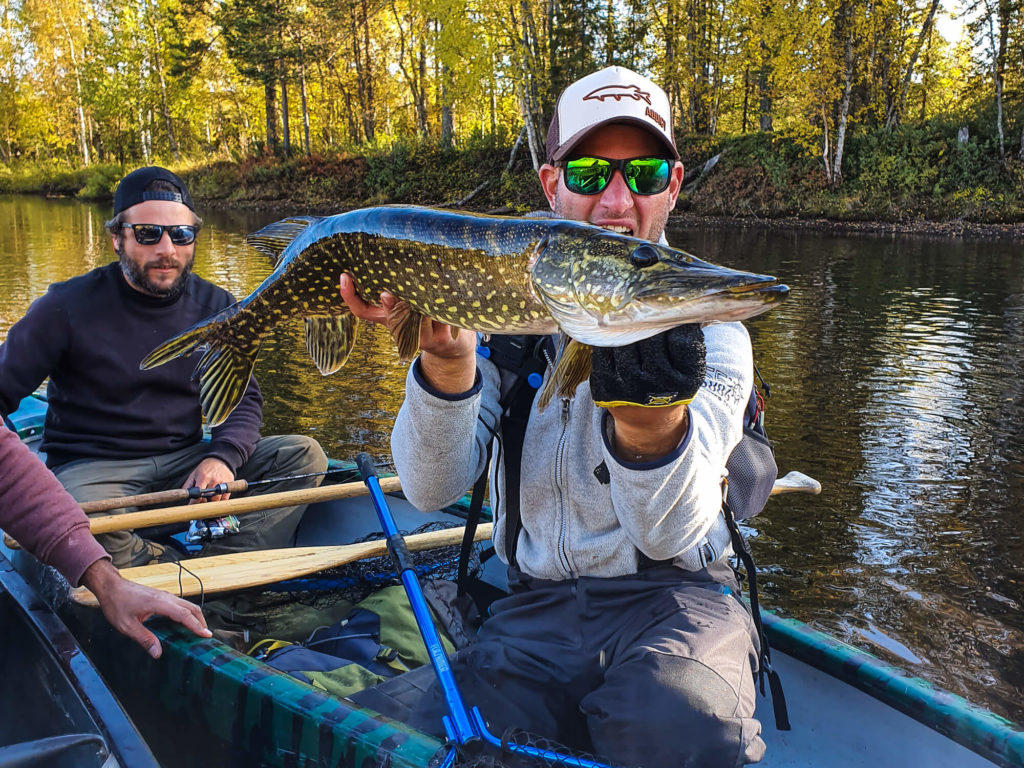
612	95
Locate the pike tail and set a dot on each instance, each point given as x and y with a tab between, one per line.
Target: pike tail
224	370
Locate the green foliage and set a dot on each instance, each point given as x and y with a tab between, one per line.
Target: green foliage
100	182
760	174
922	170
912	172
94	182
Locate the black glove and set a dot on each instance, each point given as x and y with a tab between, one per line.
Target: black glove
666	369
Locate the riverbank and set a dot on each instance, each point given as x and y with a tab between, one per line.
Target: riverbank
1006	232
907	182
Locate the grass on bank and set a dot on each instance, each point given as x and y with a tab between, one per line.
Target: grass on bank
913	173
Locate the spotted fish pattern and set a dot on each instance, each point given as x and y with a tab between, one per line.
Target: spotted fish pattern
488	274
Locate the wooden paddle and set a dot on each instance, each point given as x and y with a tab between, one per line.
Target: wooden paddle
129	521
792	482
244	570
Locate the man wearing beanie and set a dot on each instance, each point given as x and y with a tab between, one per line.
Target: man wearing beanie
624	635
113	430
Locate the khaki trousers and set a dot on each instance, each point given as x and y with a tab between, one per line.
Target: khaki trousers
276	456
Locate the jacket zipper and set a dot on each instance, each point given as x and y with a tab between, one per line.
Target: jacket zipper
560	486
559	471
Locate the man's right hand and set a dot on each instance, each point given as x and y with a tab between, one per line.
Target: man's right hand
127	604
448	362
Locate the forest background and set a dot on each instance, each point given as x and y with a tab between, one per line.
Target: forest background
893	110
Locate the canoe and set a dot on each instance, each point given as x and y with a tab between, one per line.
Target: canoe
847	707
56	710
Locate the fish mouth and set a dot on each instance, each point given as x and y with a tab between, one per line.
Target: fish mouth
696	281
721	296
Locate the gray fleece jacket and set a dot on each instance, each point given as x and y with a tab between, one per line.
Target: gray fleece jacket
573	524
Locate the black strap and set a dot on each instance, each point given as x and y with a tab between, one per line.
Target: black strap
520	356
513	433
476	505
765	665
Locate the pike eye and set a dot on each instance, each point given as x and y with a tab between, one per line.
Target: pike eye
644	256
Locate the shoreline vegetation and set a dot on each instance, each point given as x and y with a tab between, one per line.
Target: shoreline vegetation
910	181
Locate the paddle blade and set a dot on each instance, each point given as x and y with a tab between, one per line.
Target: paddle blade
245	570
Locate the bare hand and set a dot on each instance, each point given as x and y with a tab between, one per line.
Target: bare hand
209	473
449	357
127	604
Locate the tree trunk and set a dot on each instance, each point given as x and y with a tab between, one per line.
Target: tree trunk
447	116
844	113
1000	69
158	60
895	111
270	97
302	96
764	101
746	97
367	85
286	134
83	137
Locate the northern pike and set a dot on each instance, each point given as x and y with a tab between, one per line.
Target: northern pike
489	274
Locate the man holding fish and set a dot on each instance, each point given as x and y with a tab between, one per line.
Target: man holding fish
114	430
624	634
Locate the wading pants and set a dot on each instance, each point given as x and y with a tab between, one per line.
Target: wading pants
277	456
651	670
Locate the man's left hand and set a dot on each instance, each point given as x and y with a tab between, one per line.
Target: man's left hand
209	473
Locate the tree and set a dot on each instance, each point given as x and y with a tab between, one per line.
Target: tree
251	30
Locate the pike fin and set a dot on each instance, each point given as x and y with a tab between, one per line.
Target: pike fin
406	331
223	371
223	374
330	339
274	238
572	368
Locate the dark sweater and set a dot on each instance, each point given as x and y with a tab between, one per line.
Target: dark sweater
88	335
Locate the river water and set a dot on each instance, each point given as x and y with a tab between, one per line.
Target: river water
895	371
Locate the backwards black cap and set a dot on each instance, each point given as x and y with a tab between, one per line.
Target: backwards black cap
132	189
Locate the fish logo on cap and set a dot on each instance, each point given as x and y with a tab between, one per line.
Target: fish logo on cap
618	92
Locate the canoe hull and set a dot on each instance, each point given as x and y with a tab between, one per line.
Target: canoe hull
56	703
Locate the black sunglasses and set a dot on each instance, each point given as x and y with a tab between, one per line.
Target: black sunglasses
150	234
643	175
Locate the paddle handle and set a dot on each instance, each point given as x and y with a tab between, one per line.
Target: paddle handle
159	497
796	482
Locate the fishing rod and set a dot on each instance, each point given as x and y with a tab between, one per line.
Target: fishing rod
189	494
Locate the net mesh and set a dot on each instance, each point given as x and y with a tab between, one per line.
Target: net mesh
356	581
289	610
551	753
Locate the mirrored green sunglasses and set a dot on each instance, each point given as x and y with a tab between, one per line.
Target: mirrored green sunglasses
643	175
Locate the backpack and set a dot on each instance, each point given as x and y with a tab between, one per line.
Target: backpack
376	641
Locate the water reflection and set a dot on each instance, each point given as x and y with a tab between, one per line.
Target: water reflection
895	372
